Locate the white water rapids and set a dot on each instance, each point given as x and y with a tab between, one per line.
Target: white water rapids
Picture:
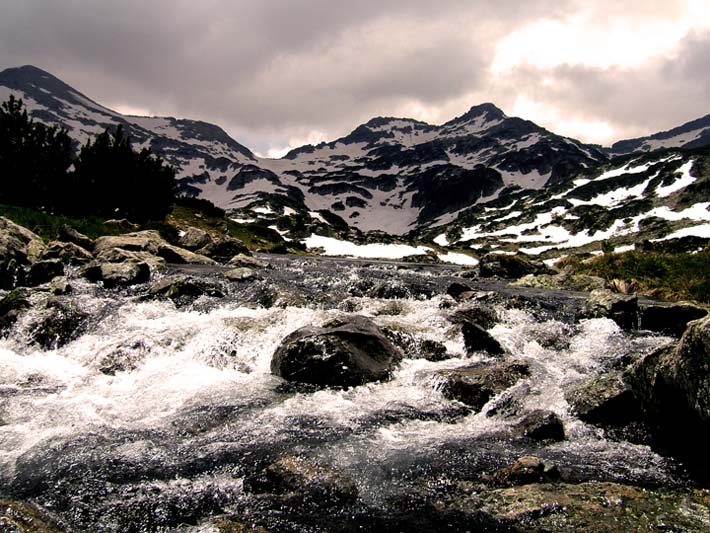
192	404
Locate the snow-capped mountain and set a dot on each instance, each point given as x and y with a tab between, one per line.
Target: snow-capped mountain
462	182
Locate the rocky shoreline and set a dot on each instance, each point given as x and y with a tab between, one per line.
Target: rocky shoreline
619	447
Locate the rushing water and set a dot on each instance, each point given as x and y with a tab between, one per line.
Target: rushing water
152	417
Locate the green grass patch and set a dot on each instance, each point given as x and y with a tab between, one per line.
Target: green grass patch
682	275
48	226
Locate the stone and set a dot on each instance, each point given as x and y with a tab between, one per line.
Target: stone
69	235
241	260
58	323
477	339
509	266
119	255
13	305
540	425
476	384
180	288
194	238
24	517
240	274
604	400
60	286
174	254
67	252
603	303
456	289
19	247
224	248
669	319
44	271
342	353
121	224
140	241
118	274
299	476
525	470
483	315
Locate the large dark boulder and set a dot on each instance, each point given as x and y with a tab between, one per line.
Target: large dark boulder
117	274
341	353
13	305
604	400
510	266
477	339
57	323
224	248
540	425
603	303
669	319
184	289
44	271
475	385
67	252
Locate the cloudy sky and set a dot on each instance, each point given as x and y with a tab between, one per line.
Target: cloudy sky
282	73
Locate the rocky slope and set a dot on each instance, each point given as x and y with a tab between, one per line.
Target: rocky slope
481	182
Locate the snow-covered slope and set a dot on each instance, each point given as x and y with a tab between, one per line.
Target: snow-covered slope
694	134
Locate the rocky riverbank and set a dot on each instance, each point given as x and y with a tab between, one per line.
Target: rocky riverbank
148	385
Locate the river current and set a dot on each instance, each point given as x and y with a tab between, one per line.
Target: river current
154	415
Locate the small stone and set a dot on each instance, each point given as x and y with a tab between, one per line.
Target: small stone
240	274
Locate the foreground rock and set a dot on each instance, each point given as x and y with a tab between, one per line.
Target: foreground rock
509	266
295	476
19	247
604	400
540	425
593	507
673	385
184	289
341	353
603	303
57	323
224	248
67	252
477	339
475	385
118	274
13	305
145	242
23	517
669	319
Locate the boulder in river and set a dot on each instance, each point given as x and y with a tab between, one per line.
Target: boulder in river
526	469
477	339
540	425
224	248
604	400
68	252
194	238
298	477
341	353
13	305
240	274
475	385
44	271
510	266
60	321
669	319
241	260
181	288
603	303
118	274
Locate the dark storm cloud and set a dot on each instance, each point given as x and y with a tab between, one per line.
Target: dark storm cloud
271	71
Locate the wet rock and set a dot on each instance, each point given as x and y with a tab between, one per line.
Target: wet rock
540	425
621	309
594	507
241	260
298	476
414	347
194	238
390	290
180	256
604	400
13	305
509	266
671	319
432	350
69	235
141	241
224	248
475	385
673	382
341	353
457	289
60	286
18	248
240	274
117	274
119	255
525	470
124	358
477	339
184	289
57	324
68	252
44	271
24	517
477	313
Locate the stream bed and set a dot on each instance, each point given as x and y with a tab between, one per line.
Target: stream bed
161	413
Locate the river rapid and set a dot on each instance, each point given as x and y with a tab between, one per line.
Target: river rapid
151	419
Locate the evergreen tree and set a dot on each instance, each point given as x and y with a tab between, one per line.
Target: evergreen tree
34	158
120	182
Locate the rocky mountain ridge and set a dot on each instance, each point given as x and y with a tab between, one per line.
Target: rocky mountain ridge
466	184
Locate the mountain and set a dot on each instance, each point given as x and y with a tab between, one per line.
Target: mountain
391	173
482	181
694	134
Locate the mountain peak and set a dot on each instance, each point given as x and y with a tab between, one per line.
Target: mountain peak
487	110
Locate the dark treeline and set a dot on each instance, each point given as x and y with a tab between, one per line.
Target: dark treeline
107	177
